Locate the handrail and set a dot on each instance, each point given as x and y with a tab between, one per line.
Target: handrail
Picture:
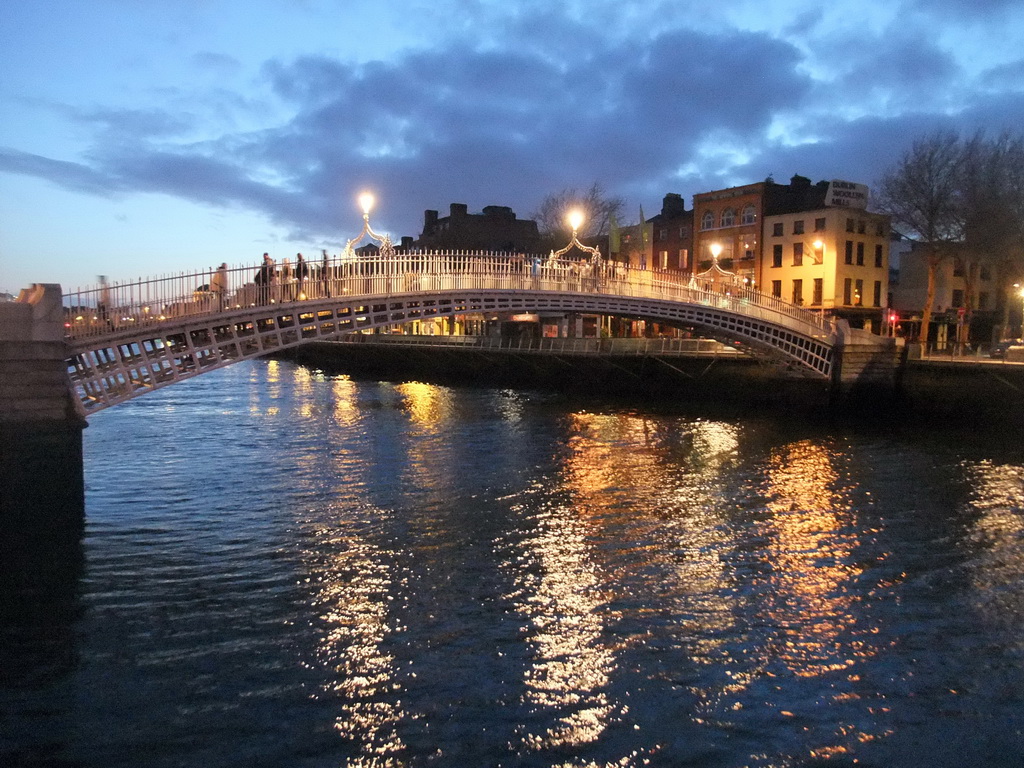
104	309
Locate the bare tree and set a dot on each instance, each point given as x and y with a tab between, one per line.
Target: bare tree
598	211
922	193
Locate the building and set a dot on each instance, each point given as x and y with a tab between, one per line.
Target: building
811	244
967	292
495	229
728	221
671	233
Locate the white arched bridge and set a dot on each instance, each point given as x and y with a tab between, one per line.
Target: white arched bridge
131	337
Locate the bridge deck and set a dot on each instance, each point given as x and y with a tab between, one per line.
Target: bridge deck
127	338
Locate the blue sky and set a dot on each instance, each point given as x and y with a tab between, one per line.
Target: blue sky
145	137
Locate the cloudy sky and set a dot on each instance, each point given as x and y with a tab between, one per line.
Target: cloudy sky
142	137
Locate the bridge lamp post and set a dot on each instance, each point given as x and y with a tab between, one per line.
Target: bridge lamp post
575	219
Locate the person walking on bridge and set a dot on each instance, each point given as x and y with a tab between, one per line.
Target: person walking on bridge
219	285
301	273
264	277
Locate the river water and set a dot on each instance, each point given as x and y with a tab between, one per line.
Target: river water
288	567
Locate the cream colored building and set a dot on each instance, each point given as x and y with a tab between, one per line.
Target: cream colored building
835	259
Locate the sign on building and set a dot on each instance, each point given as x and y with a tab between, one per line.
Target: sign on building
846	194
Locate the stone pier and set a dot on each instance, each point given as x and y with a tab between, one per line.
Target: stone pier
41	483
867	366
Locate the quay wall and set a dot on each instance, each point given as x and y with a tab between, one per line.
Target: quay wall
962	391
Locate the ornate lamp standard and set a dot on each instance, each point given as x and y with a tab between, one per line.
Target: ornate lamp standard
366	202
575	219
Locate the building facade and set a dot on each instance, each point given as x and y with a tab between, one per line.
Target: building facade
671	233
834	259
729	221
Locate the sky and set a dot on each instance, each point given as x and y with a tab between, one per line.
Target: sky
147	137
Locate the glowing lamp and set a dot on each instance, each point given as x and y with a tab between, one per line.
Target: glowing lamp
366	202
575	219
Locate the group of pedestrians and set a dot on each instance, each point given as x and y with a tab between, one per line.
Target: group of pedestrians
287	283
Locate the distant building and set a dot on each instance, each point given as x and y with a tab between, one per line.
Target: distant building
495	229
966	291
671	233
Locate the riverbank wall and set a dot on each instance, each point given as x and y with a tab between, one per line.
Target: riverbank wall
951	390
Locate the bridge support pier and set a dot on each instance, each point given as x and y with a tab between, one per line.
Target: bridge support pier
42	495
866	366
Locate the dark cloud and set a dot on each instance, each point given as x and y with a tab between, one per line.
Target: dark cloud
74	176
541	102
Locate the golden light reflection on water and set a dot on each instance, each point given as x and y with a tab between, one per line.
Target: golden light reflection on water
810	550
427	404
346	407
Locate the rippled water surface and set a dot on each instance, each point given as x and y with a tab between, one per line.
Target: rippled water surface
289	568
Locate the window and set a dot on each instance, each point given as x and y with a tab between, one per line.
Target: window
958	297
729	217
860	254
777	289
880	229
663	234
982	300
777	229
849	253
858	292
849	225
707	221
819	225
860	226
958	268
663	259
985	272
798	254
683	232
684	258
749	215
847	291
816	301
798	227
777	255
878	255
798	291
878	293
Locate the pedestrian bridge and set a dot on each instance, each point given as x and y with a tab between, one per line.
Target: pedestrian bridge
124	339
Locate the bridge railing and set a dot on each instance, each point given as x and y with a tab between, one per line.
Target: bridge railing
107	308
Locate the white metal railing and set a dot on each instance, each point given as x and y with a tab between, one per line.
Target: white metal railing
109	308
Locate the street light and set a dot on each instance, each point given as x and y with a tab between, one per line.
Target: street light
575	219
716	250
366	201
819	250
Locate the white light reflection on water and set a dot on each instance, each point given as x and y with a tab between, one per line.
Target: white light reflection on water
355	580
560	592
997	570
